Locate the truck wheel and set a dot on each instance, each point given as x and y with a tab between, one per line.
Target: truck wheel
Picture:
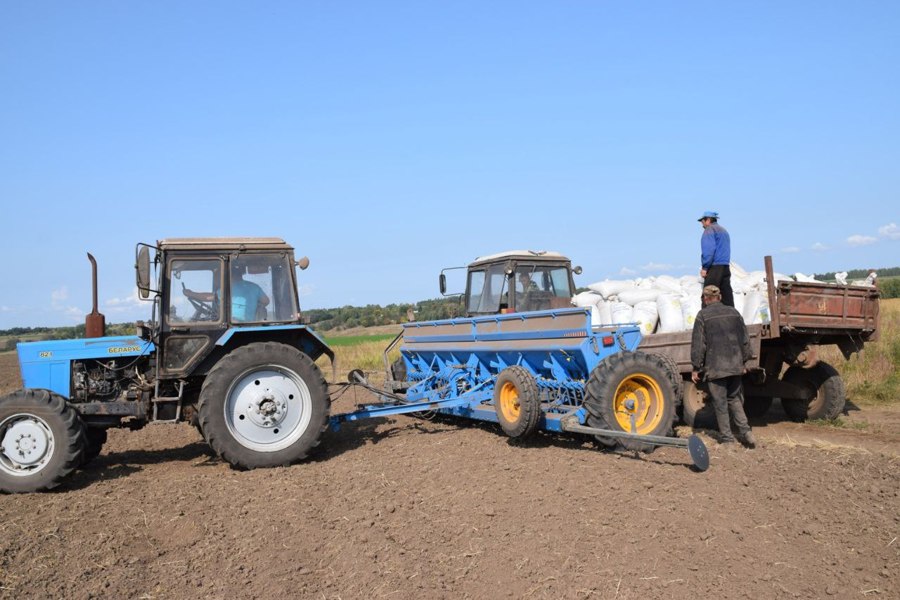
517	401
756	407
696	411
827	389
630	385
263	405
94	438
41	440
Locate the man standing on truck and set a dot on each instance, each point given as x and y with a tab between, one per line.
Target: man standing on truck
715	256
720	347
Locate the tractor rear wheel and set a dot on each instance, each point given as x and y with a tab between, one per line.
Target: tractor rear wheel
41	441
517	401
827	393
263	405
626	388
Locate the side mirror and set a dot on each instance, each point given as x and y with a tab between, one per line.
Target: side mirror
577	270
303	263
142	272
442	283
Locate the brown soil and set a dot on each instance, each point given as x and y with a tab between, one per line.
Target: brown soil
405	508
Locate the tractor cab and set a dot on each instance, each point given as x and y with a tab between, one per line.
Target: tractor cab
207	287
517	281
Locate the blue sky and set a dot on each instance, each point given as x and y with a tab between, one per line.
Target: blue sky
386	140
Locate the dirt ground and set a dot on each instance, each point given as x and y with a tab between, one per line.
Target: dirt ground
406	508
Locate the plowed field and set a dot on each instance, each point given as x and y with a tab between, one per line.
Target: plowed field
406	508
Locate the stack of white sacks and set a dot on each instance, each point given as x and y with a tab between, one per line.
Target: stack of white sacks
665	304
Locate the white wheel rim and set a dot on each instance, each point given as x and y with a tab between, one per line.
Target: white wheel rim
26	445
268	408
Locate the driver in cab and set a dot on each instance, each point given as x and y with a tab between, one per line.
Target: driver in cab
248	300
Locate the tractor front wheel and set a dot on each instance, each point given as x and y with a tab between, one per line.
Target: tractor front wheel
263	405
41	441
517	402
631	391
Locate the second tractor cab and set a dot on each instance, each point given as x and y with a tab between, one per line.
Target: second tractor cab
517	281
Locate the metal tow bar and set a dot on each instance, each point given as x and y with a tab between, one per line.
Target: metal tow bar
699	454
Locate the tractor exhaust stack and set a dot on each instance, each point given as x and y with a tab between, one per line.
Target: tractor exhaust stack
94	323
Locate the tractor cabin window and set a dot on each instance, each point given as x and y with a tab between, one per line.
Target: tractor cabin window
487	290
262	289
195	291
542	287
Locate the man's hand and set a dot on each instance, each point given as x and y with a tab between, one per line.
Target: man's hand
695	376
703	273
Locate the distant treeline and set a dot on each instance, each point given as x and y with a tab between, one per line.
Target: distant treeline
345	317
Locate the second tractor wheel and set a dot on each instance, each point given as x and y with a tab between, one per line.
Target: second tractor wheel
826	388
517	402
631	390
263	405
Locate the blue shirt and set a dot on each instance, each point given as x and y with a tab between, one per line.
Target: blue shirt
715	246
245	296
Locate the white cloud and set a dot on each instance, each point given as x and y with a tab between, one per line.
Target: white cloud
819	247
306	290
890	231
5	309
790	250
627	271
861	240
652	266
124	304
58	297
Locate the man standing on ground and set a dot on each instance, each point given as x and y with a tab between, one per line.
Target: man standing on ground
715	256
720	347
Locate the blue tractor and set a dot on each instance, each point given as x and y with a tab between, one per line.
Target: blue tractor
225	349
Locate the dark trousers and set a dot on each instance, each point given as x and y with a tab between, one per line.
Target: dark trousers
728	396
720	276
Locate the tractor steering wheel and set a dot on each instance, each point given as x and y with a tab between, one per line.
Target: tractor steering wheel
203	311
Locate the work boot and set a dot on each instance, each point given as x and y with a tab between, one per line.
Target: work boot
726	439
749	440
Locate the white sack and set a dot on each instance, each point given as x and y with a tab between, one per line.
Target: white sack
600	314
805	278
633	297
736	270
670	315
760	314
646	315
622	313
739	301
609	287
841	277
690	280
585	299
668	284
690	306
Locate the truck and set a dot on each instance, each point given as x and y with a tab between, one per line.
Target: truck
785	364
226	349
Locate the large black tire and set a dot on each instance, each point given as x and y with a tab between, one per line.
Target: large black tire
697	409
94	437
517	401
827	389
41	441
625	376
756	407
675	378
263	405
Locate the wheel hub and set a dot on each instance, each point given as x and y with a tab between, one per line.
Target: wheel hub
268	409
26	443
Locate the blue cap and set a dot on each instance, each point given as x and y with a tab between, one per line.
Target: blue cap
710	214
